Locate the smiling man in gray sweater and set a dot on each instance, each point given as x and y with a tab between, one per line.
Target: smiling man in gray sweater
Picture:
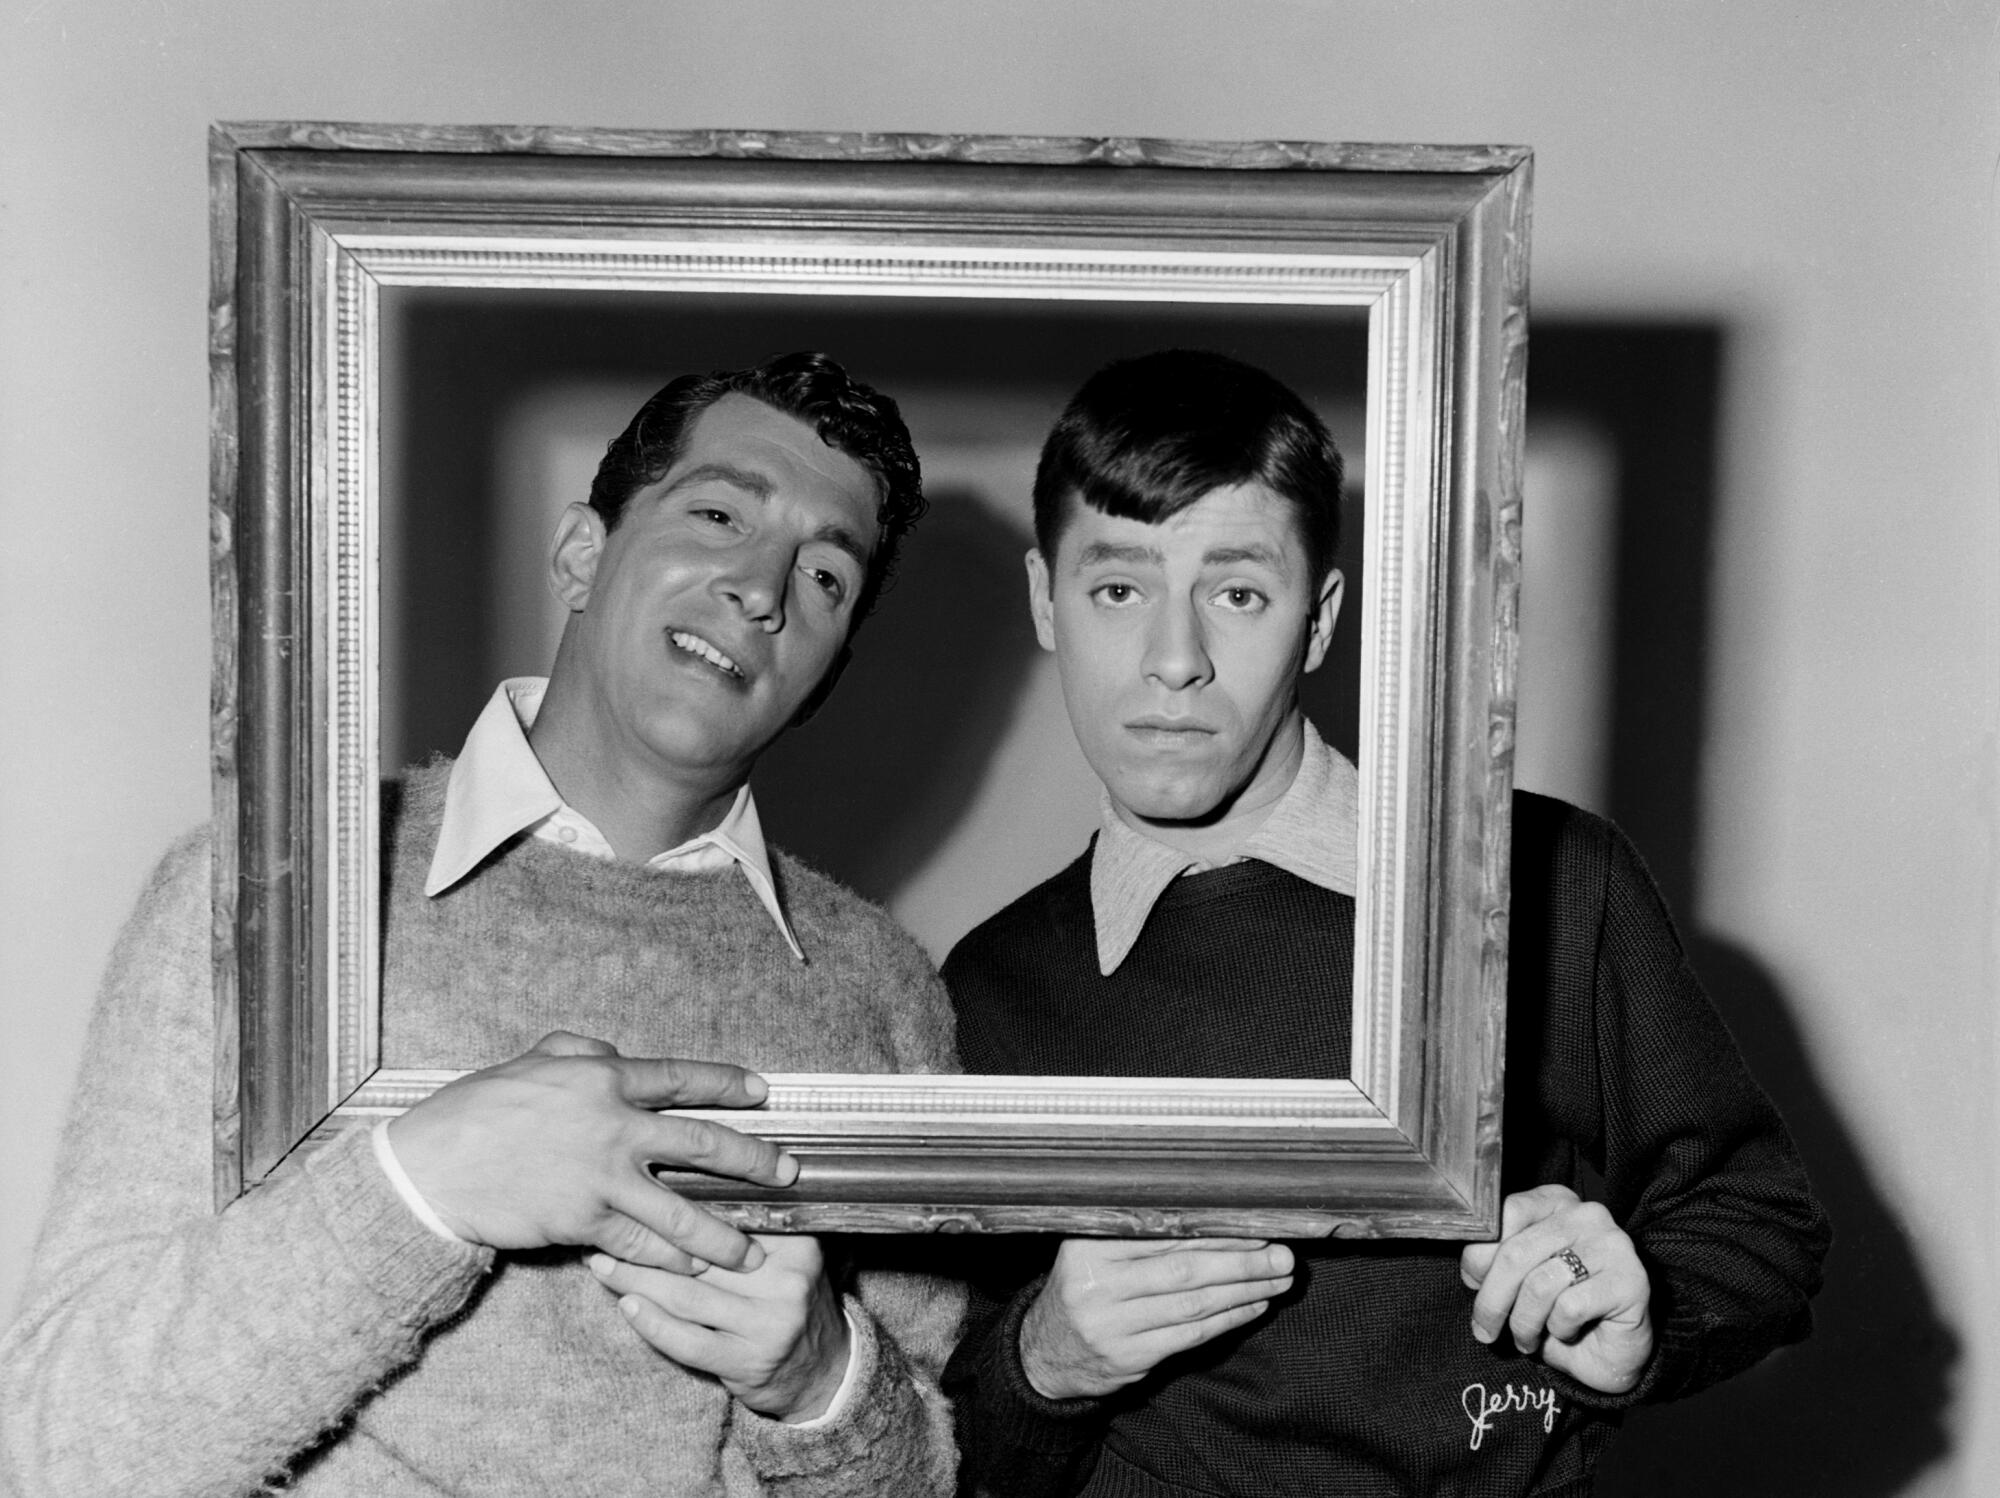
493	1294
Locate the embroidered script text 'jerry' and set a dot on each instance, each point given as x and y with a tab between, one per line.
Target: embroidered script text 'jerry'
1481	1407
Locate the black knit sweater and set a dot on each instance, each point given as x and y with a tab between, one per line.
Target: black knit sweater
1622	1084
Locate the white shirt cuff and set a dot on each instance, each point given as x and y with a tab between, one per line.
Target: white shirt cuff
845	1392
385	1156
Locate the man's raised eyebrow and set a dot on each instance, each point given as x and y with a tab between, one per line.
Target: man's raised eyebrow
1113	551
753	483
846	540
1229	556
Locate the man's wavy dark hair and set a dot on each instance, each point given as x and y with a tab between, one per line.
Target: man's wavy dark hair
849	416
1146	438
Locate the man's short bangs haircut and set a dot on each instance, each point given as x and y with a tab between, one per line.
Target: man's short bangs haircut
849	417
1146	438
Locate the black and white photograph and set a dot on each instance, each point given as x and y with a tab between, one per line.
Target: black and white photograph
1148	752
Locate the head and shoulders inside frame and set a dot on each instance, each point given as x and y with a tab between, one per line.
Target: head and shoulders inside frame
1186	510
737	532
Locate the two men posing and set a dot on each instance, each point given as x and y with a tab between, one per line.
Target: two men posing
409	1311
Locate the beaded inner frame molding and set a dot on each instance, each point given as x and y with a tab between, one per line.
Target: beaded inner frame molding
311	222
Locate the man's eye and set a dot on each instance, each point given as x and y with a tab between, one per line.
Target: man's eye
1114	593
720	517
1243	600
828	582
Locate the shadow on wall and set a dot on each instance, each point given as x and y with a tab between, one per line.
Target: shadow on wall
1860	1408
872	785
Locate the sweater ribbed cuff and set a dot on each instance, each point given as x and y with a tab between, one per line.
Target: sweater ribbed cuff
843	1394
1677	1345
1033	1419
877	1389
420	1278
1115	1477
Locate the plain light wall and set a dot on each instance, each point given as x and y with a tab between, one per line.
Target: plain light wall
1817	179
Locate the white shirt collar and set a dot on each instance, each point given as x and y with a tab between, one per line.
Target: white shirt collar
498	790
1311	832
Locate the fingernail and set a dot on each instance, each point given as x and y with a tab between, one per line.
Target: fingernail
756	1086
1480	1334
629	1305
698	1266
600	1265
788	1169
755	1256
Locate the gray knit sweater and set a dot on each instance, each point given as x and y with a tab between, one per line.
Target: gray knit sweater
315	1332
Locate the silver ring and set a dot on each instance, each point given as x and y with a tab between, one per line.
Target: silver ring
1578	1270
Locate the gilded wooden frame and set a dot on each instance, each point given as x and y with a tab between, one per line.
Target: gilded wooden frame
310	221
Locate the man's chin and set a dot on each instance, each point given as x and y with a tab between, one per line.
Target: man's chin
1169	803
697	751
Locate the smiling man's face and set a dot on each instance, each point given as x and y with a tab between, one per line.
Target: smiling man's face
1180	646
705	620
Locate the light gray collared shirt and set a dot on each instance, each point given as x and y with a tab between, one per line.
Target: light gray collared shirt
1311	832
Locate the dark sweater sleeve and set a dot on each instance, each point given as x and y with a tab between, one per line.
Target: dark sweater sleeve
1013	1442
1695	1163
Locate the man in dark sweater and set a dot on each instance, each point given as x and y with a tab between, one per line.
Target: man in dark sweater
1658	1232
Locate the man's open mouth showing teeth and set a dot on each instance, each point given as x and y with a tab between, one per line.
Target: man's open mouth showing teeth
696	645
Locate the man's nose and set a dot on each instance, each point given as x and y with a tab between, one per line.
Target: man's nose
755	581
1177	648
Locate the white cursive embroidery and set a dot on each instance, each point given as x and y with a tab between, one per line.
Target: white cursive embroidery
1481	1407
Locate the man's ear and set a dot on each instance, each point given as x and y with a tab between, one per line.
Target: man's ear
1326	611
574	555
817	698
1041	600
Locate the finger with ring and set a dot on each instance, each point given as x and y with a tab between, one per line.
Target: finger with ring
1578	1270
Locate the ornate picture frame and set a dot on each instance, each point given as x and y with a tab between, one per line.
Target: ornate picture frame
312	222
